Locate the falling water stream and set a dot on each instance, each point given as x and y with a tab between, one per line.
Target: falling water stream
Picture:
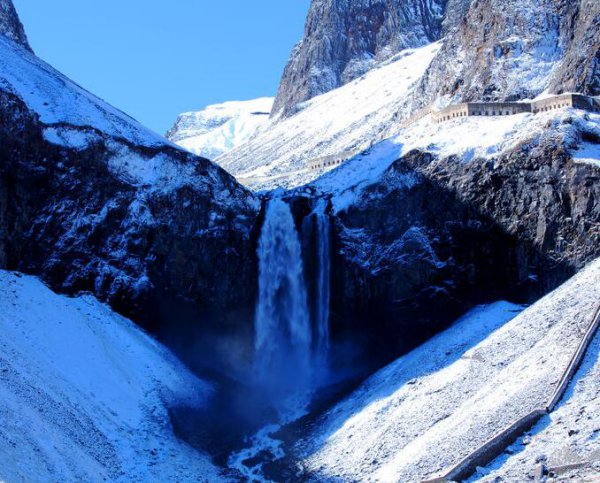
289	350
323	288
283	337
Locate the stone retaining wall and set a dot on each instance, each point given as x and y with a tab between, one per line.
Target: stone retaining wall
494	447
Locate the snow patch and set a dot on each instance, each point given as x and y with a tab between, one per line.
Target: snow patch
219	128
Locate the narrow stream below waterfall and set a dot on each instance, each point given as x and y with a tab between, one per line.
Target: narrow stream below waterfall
265	446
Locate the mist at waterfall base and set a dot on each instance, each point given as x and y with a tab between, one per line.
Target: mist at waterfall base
291	340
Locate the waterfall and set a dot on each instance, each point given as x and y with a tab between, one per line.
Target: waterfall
322	284
283	341
291	354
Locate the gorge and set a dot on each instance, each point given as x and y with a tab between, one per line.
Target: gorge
309	326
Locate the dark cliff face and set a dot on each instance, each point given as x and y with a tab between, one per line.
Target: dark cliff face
343	39
506	50
409	258
163	257
10	25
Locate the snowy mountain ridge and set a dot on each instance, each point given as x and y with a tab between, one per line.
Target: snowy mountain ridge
351	118
10	24
219	128
490	50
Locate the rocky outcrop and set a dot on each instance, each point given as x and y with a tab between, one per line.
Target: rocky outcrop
68	217
434	237
343	39
10	25
506	50
579	70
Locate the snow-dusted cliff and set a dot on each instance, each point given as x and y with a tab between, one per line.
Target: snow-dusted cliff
10	25
85	191
511	49
219	128
345	39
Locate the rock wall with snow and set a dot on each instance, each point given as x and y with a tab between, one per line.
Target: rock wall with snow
90	200
10	25
507	50
219	128
422	236
343	39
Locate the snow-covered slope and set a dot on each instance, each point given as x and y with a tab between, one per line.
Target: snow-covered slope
467	139
84	393
61	102
568	436
429	409
350	118
219	128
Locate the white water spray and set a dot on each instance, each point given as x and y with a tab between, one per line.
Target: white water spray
286	359
282	326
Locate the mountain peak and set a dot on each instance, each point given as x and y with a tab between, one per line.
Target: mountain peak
343	39
10	25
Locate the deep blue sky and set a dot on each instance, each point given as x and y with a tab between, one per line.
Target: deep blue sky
154	59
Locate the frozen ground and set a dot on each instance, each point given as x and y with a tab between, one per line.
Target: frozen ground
84	394
429	409
219	128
